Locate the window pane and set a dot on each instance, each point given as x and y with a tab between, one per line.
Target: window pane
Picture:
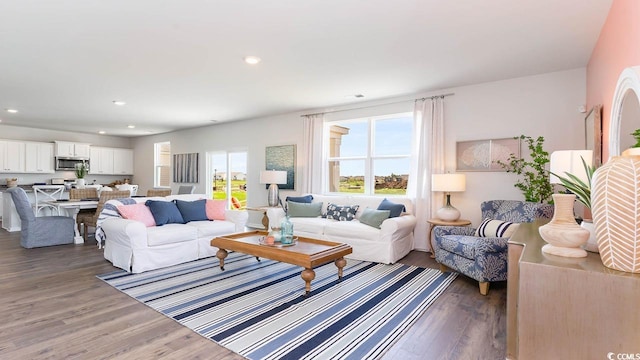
219	165
348	139
346	176
238	165
393	136
391	176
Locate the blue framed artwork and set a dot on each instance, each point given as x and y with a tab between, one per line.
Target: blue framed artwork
282	158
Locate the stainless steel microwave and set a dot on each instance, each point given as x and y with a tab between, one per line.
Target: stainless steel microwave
63	163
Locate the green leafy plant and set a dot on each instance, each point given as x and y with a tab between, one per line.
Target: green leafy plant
535	185
81	170
636	135
581	189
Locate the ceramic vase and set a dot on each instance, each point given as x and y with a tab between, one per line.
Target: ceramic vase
563	234
80	184
614	202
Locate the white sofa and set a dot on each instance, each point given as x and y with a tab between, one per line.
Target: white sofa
386	245
131	246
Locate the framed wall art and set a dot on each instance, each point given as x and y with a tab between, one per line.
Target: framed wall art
282	158
185	168
481	155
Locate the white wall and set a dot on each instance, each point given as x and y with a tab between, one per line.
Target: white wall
543	105
31	134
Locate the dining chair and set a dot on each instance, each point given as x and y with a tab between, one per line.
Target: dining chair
79	194
104	197
40	231
45	193
158	192
186	189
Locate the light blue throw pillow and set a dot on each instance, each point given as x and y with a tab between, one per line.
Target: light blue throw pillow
296	209
374	217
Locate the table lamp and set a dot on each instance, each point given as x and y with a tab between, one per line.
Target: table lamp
273	178
448	183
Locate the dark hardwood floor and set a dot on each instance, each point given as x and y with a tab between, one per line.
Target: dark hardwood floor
53	307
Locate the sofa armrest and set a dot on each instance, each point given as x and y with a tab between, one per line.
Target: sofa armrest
238	217
396	228
129	233
453	230
275	216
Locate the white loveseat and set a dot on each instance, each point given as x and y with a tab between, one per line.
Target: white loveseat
386	245
132	246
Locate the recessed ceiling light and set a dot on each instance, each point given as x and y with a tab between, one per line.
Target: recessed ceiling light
131	126
252	60
119	103
214	121
13	111
102	132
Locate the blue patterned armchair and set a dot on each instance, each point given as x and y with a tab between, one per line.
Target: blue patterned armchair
484	258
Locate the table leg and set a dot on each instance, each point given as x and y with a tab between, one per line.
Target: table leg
307	275
340	263
221	254
433	255
77	239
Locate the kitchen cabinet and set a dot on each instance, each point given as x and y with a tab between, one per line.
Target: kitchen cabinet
101	161
39	158
122	161
12	156
72	149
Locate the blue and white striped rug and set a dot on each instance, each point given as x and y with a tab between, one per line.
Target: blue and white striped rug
256	308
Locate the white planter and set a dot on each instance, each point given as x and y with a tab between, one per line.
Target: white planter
80	183
592	244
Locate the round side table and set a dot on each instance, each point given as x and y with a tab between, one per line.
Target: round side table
435	222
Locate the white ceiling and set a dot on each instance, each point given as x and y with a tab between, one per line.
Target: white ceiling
178	63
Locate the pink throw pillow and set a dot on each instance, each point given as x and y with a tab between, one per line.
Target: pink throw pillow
139	212
215	209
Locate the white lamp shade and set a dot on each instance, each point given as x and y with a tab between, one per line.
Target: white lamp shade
569	161
448	182
273	177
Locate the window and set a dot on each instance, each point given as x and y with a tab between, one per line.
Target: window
162	164
369	155
229	177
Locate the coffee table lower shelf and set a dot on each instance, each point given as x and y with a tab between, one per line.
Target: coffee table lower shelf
308	253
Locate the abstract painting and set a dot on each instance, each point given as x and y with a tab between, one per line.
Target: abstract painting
282	158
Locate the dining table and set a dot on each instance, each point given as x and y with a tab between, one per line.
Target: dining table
72	208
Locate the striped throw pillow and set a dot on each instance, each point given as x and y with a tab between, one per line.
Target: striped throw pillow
496	228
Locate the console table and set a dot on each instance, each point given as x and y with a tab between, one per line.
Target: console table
568	308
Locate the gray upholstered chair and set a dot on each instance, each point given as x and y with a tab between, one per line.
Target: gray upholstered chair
40	231
484	258
186	189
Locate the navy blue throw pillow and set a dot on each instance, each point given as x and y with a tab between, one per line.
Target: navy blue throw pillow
300	199
396	209
164	212
192	210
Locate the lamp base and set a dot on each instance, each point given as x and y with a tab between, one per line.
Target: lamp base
448	213
273	197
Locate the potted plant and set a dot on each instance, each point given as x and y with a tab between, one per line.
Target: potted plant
582	190
636	135
535	184
81	172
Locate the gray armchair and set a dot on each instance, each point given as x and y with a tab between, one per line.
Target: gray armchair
40	231
484	258
186	189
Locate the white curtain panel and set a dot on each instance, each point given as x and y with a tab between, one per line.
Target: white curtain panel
313	178
427	158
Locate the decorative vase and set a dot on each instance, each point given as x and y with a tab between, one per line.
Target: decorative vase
80	184
592	244
286	229
614	201
563	234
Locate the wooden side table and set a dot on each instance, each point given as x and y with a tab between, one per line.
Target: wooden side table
435	222
265	218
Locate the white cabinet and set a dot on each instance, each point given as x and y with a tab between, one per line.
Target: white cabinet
39	158
122	161
12	156
101	161
72	149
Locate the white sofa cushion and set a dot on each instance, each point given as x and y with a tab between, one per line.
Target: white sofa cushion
351	229
170	234
212	228
309	225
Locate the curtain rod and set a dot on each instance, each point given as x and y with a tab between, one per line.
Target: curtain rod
390	103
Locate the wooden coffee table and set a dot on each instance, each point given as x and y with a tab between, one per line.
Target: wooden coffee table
307	252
